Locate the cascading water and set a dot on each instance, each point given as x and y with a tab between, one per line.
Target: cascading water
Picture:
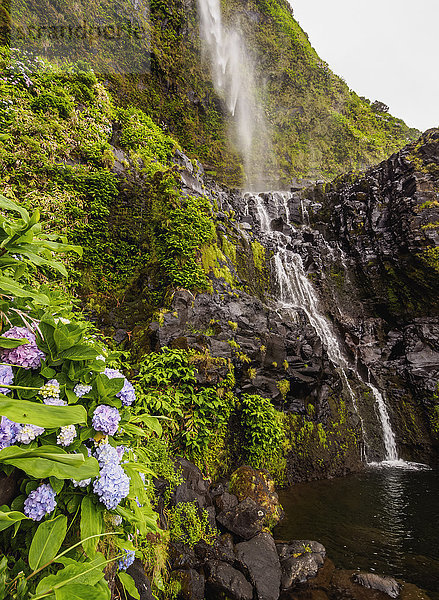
233	77
296	291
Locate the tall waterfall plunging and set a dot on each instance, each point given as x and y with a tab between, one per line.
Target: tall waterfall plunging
233	77
296	291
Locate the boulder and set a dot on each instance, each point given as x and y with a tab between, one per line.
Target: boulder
141	581
388	585
258	558
258	485
225	502
194	487
192	584
224	580
298	569
245	520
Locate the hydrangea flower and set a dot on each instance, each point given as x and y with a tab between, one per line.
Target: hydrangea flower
8	432
107	455
106	419
121	451
112	486
127	394
50	389
83	483
55	402
28	433
66	435
40	502
115	520
127	560
6	377
81	389
28	356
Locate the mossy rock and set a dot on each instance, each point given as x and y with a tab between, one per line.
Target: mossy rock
258	485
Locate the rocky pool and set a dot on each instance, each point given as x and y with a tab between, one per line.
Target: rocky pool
383	520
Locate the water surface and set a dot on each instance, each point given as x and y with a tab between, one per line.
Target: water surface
382	520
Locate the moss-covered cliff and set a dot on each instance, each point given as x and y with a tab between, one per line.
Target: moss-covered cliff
319	127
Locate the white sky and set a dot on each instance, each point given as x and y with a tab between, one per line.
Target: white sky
386	50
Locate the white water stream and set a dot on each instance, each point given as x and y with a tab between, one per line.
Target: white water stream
296	291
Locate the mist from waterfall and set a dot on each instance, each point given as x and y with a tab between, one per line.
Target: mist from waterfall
234	80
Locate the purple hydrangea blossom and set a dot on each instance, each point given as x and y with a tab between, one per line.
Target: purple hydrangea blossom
127	394
127	560
107	455
28	433
28	356
66	435
121	451
112	486
81	389
6	377
40	502
106	419
8	432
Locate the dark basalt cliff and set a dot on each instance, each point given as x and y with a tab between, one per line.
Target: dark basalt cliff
369	245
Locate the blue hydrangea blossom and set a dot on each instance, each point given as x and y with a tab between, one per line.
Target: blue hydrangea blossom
28	433
8	432
6	378
107	455
40	502
106	419
81	389
126	560
112	486
127	394
66	435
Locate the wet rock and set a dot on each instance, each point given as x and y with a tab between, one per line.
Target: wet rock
194	486
299	547
225	502
258	485
141	581
192	584
258	557
388	585
221	550
223	579
343	587
298	569
245	520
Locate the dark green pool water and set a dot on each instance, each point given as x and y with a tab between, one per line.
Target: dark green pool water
383	520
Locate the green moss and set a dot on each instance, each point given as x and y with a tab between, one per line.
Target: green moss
258	255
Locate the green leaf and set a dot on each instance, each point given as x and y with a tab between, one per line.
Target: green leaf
9	517
78	591
7	204
128	583
12	342
87	573
47	541
62	341
49	417
11	287
79	352
50	461
92	523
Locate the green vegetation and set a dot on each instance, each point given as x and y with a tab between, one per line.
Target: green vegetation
189	524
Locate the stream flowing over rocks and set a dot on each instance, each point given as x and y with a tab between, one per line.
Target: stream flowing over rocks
344	308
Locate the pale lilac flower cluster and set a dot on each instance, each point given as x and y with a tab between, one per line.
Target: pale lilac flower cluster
115	520
55	402
8	432
40	502
112	486
127	394
28	433
28	356
127	560
106	419
66	435
6	378
81	389
81	484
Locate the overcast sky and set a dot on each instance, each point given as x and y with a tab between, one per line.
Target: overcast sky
386	50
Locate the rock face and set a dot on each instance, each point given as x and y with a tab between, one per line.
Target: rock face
259	557
388	585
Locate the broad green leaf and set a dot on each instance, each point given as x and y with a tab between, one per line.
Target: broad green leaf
92	523
78	591
50	461
153	424
62	340
11	287
7	204
49	417
79	352
12	342
47	541
9	517
87	573
128	583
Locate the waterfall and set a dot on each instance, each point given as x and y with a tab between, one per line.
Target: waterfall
233	78
296	291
